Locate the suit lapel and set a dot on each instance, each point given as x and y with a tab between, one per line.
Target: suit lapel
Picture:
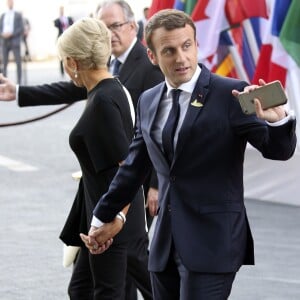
155	99
130	62
195	107
154	105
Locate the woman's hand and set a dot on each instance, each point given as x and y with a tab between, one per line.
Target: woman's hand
99	239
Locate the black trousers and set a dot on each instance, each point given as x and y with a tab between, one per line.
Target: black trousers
103	276
178	283
138	275
99	277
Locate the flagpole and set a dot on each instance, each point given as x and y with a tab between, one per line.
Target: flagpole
242	74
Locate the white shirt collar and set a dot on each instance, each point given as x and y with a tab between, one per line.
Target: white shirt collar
187	86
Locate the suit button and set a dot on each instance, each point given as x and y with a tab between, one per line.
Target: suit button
172	178
169	207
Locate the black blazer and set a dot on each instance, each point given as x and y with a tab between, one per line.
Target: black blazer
137	74
95	139
201	196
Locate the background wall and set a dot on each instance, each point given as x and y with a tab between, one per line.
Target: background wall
41	14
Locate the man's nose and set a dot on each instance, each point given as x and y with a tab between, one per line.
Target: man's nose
180	56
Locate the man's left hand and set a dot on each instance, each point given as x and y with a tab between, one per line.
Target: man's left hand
152	201
271	115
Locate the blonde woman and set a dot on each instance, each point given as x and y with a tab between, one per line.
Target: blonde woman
100	141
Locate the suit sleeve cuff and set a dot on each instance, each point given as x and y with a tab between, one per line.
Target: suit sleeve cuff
289	116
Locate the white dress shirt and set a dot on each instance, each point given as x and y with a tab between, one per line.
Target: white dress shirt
122	57
8	22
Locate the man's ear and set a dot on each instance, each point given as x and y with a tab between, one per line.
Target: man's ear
133	25
152	57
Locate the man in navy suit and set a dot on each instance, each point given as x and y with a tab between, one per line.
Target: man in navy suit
202	235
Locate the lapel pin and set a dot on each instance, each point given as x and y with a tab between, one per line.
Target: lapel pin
196	103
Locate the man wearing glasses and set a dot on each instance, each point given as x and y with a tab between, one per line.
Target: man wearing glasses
131	64
135	70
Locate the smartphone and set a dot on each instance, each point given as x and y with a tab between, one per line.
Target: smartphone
270	95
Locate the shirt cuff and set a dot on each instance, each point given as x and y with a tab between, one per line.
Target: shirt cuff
290	116
96	222
17	93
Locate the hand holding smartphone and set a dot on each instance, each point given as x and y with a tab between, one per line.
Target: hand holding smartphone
270	95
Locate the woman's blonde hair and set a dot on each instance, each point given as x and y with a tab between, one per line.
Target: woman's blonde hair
88	41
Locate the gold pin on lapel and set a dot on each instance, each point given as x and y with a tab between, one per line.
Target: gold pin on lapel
196	103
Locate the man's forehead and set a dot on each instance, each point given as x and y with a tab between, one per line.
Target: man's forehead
112	12
177	35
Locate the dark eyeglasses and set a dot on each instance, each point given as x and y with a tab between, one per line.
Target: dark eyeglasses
116	26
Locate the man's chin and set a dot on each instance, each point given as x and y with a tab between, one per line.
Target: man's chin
116	49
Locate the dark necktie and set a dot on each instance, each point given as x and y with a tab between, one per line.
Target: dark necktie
116	67
171	125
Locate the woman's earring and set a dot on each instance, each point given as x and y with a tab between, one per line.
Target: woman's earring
75	73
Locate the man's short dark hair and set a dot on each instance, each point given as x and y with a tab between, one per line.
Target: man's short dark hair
169	19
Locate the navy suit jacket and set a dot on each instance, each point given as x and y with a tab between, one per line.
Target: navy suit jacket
201	199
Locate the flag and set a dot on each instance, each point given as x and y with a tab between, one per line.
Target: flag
242	12
273	60
251	40
185	5
289	35
209	19
232	65
242	44
189	6
255	23
226	67
239	10
179	4
224	64
247	58
159	5
198	13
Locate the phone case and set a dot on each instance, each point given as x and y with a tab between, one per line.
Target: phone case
270	95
